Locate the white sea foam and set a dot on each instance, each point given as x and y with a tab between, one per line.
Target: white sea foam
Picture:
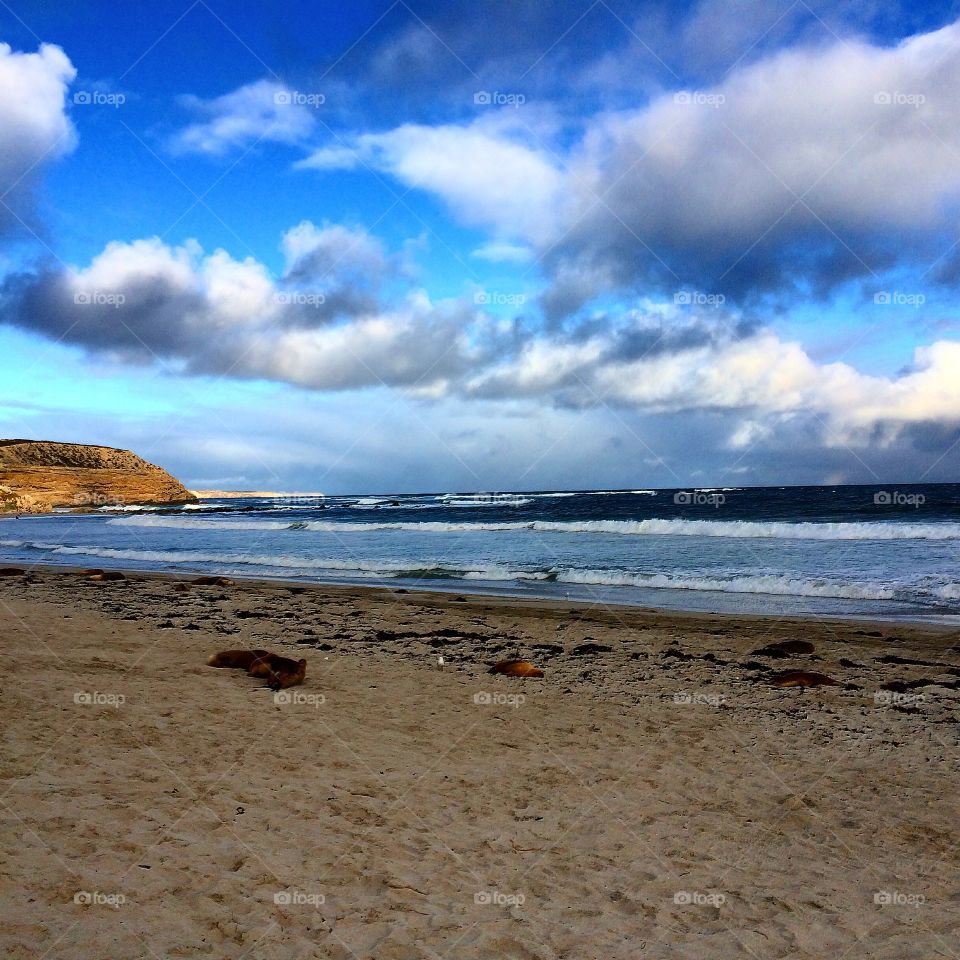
241	559
130	508
481	502
771	584
950	591
740	529
619	493
767	584
425	568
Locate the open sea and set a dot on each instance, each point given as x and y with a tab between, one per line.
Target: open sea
831	551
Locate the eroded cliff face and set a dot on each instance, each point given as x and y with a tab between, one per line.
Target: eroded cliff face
38	475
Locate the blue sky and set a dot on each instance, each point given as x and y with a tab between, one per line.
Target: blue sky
398	246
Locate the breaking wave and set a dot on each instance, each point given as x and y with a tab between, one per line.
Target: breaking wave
772	584
740	529
768	584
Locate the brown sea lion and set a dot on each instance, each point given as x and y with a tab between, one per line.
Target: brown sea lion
107	576
212	582
279	672
516	668
801	678
238	659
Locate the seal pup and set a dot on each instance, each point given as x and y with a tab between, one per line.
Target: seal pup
279	672
516	668
801	678
238	659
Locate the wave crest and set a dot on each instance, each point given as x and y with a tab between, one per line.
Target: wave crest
738	529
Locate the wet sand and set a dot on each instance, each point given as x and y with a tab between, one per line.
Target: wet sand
652	796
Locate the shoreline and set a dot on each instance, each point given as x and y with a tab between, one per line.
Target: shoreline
893	568
504	598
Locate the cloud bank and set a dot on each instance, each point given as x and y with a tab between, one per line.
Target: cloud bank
799	172
319	326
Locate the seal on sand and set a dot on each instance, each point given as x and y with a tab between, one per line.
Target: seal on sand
238	659
801	678
516	668
279	672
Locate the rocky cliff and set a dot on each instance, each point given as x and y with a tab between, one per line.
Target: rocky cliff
37	475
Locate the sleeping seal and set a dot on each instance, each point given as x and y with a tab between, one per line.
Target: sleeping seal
801	678
516	668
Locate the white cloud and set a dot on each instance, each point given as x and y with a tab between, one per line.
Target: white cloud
34	127
262	111
760	375
502	252
806	168
484	171
209	313
333	250
847	140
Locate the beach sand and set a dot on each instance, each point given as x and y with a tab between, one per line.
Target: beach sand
659	799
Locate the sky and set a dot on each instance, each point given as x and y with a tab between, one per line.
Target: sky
510	245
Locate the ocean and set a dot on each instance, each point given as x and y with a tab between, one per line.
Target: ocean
827	551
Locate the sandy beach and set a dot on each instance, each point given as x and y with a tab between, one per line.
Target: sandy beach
652	796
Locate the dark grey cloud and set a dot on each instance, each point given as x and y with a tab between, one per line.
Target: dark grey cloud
146	318
424	60
795	175
145	302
